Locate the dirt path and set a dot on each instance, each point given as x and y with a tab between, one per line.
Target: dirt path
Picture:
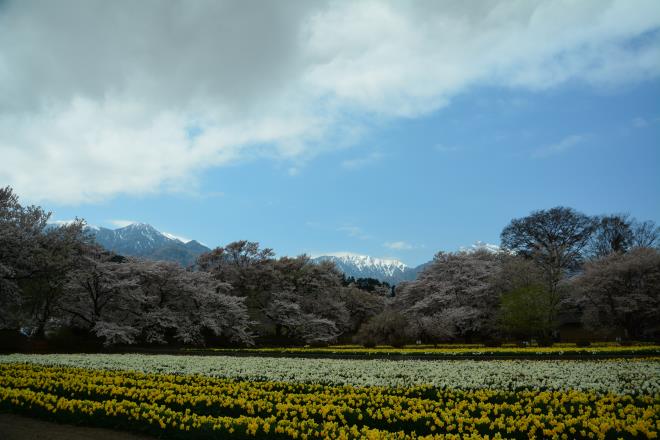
13	427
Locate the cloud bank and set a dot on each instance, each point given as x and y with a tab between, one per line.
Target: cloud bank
105	98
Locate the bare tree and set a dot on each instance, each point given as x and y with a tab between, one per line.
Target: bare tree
553	238
612	233
645	234
620	233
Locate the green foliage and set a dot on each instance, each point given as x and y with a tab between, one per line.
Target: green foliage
526	312
367	284
386	328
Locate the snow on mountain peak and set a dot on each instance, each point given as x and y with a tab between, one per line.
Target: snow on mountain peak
363	266
365	262
176	237
145	241
138	225
481	246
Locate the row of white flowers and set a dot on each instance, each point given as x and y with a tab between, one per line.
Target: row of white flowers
617	376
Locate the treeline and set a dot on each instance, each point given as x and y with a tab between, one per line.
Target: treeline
559	266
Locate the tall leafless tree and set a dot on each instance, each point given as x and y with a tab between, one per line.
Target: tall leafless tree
553	238
612	233
646	234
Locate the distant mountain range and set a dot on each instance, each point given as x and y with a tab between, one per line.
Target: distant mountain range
145	241
388	270
364	266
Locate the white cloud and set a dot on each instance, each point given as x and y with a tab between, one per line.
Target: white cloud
361	162
563	145
121	223
398	245
104	98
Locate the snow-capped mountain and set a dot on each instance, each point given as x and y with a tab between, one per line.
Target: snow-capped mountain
364	266
481	246
143	240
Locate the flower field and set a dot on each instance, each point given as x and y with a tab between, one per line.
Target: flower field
190	397
472	350
614	376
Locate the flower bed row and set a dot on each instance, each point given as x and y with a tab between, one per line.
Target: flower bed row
195	406
457	350
630	376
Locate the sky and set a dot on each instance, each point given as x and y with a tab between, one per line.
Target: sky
392	129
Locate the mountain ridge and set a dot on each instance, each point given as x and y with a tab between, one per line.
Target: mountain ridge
144	241
391	271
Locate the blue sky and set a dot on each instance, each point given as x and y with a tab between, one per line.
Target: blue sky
385	138
412	187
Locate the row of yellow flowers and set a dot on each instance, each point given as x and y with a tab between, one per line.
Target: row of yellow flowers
462	350
507	344
183	406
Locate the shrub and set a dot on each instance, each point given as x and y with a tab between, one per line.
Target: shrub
386	328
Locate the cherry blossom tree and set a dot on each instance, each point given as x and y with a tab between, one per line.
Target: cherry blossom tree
455	287
184	305
621	293
21	228
101	286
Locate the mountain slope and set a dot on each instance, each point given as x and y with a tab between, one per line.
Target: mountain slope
364	266
145	241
